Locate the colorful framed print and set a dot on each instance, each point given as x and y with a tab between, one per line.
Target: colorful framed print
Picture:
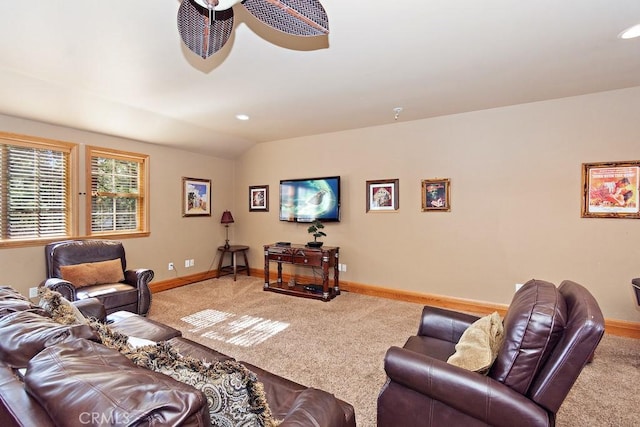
259	198
383	195
436	195
196	197
610	190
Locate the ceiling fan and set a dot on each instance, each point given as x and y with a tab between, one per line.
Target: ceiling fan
206	25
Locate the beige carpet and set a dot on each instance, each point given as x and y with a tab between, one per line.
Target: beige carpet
339	346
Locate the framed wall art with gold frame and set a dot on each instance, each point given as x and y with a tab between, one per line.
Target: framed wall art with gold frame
610	190
436	195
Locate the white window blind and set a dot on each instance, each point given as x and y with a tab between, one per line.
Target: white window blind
34	189
117	192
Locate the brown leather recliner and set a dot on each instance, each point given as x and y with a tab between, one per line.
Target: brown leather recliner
550	334
130	294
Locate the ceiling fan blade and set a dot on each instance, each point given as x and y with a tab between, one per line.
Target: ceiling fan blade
296	17
201	34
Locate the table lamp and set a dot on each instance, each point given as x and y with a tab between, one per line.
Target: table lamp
226	219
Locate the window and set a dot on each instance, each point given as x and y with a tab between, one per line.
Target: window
39	187
35	188
118	202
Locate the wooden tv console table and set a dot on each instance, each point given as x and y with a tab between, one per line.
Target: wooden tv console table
325	257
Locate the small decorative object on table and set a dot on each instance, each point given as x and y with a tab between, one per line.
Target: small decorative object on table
315	230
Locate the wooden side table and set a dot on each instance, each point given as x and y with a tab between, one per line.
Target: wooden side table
233	268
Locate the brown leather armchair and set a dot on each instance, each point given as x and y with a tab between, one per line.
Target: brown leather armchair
130	293
550	334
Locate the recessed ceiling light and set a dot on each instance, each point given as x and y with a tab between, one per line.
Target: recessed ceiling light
631	32
242	117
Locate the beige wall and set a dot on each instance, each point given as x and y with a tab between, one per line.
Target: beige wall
516	189
173	238
515	181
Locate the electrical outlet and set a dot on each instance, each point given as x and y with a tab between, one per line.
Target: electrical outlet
33	292
344	267
186	263
171	266
518	286
191	263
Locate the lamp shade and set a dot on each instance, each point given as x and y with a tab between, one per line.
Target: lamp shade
227	218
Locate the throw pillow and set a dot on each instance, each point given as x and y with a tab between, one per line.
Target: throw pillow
479	344
93	273
234	394
60	309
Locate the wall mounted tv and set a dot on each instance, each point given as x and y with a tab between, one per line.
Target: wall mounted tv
304	200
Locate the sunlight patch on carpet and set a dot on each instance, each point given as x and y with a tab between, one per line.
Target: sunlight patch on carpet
205	319
244	331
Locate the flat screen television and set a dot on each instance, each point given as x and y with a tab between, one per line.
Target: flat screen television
308	199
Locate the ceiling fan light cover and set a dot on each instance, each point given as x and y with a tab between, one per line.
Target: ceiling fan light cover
200	34
296	17
217	4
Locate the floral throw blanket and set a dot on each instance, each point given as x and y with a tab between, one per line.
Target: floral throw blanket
234	395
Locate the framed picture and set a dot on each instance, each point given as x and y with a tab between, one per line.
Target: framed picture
196	197
436	195
383	195
610	190
259	198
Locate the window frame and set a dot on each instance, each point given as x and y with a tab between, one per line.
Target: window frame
71	150
142	217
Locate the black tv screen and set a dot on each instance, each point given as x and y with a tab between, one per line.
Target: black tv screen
308	199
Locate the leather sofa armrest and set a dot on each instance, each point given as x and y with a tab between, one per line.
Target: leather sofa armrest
91	307
65	287
314	407
471	393
140	279
444	324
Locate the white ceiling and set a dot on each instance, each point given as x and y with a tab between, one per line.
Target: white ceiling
119	67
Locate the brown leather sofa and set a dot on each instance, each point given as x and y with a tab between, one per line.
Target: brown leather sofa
550	334
129	294
113	390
